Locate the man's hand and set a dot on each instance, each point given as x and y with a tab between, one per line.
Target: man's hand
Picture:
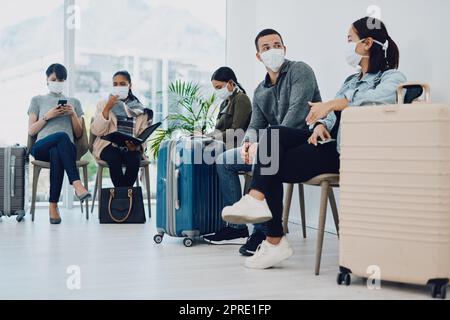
244	152
252	153
320	132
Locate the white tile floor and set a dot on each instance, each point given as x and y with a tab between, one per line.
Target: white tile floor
122	262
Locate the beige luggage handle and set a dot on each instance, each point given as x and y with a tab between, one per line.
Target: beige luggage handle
401	88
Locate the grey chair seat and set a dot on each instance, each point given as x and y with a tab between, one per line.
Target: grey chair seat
46	165
332	179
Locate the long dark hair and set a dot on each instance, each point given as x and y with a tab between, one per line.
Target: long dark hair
380	60
126	75
226	74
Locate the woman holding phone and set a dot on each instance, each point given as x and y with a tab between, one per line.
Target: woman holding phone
56	121
122	112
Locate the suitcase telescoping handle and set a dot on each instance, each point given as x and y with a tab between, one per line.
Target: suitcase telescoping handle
426	90
177	195
13	175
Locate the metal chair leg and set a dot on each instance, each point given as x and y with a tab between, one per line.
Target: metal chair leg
334	208
95	192
149	195
301	196
322	221
86	185
100	187
81	203
287	207
36	173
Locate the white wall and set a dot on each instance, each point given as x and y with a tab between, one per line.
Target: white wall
316	32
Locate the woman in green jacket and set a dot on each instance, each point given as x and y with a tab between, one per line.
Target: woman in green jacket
235	110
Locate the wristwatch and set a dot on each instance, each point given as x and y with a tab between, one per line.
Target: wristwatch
45	118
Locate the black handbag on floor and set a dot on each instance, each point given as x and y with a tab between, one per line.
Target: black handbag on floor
122	206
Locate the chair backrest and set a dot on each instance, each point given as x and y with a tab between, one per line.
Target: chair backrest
410	92
82	144
92	138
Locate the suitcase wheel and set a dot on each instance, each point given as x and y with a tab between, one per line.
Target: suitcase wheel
158	238
188	242
438	290
20	216
344	278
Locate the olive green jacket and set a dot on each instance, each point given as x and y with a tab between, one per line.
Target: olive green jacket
235	113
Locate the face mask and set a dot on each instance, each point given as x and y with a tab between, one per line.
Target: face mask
223	93
121	92
273	59
353	58
56	87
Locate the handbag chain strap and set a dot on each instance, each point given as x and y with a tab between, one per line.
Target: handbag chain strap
111	198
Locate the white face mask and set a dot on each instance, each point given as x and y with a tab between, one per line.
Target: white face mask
223	93
273	59
353	58
121	92
56	87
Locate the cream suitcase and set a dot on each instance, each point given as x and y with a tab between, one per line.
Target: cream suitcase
395	195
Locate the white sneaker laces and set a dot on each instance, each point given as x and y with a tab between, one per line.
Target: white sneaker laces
262	249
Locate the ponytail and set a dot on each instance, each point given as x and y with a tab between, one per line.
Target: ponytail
384	54
393	55
240	87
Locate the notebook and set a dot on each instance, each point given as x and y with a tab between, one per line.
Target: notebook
120	139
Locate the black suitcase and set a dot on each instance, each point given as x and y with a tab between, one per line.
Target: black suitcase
14	182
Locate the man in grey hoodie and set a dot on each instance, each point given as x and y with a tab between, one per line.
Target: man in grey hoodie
281	99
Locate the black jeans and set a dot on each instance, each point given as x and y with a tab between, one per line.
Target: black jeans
59	150
116	160
298	162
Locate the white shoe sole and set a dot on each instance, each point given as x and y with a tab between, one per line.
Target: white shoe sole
235	242
238	219
283	258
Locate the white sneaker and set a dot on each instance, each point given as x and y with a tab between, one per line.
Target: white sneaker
247	211
269	255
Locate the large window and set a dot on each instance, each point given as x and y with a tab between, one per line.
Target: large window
157	41
31	37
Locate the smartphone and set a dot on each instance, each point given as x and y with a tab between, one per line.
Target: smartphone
62	103
326	142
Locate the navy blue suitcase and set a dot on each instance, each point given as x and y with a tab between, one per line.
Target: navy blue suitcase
189	199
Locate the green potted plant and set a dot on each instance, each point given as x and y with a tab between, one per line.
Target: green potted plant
191	114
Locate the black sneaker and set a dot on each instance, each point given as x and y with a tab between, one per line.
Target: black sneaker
228	236
249	249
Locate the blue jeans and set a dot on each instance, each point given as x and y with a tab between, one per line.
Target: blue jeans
229	166
59	150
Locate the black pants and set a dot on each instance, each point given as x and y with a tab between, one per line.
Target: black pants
59	150
298	162
117	159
